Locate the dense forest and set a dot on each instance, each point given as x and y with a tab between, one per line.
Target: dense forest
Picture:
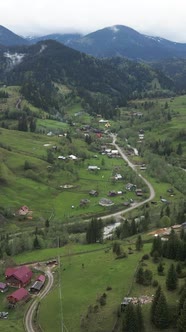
114	80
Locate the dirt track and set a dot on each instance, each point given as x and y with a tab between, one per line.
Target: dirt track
30	313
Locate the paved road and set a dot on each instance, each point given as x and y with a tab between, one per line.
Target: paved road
134	205
30	313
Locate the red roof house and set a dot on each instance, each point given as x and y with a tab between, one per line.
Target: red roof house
41	278
18	276
20	294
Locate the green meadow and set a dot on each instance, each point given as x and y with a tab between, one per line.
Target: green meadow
83	286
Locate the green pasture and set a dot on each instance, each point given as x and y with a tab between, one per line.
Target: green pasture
68	250
51	125
39	187
81	288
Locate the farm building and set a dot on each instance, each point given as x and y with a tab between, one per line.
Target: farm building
114	152
93	168
183	225
131	187
72	157
61	157
125	302
3	287
36	287
93	193
105	202
163	200
139	192
41	278
18	276
84	202
19	295
118	176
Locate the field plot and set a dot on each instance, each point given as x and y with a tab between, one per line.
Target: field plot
82	286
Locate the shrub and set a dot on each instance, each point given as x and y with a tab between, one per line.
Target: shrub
155	283
146	256
102	300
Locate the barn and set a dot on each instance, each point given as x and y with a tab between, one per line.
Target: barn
18	276
19	295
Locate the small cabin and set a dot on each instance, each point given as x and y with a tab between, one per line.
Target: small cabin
125	302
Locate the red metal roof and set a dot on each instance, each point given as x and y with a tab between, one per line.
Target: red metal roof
41	278
19	294
22	273
9	271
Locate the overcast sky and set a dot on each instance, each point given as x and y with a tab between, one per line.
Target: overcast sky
164	18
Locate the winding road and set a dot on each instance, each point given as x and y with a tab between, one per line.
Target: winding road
30	313
151	189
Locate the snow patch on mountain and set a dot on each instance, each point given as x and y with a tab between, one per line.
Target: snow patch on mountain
14	58
43	47
114	29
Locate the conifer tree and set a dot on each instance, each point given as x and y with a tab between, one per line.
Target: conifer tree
139	243
139	317
156	246
160	268
154	303
161	314
139	276
181	324
130	319
172	278
182	299
94	231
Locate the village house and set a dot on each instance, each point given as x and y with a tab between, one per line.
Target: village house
61	157
19	295
103	121
93	193
130	187
38	284
112	193
118	177
72	157
18	276
93	168
163	200
84	202
139	192
105	202
114	152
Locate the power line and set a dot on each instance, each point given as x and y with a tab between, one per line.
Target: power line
60	290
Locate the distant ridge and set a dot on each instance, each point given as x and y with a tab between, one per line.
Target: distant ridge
114	41
9	38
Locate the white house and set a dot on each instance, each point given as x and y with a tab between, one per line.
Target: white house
93	168
72	157
118	177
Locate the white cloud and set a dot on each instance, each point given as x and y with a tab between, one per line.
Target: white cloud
161	17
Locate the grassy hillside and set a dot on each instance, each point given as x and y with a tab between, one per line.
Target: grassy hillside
82	287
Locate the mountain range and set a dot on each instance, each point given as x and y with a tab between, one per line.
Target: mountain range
109	42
